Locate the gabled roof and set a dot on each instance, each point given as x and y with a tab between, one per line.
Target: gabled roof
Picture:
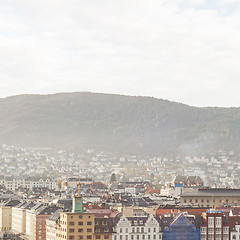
180	219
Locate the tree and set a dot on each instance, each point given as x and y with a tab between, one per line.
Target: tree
113	178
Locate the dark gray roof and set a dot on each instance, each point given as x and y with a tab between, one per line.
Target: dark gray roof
47	210
56	215
12	203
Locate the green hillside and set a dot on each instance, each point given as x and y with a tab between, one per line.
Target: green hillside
117	123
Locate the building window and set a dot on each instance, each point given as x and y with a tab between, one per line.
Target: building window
154	229
143	237
98	236
71	223
71	237
106	236
89	236
71	230
149	230
80	223
89	230
133	230
210	221
120	230
96	222
80	237
80	230
154	236
202	200
105	229
89	223
137	237
137	229
149	236
132	237
126	230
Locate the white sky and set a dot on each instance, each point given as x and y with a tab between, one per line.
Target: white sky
181	50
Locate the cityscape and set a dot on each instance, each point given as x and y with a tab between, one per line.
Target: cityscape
47	194
119	120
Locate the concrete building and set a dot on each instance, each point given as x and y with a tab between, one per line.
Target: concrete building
211	197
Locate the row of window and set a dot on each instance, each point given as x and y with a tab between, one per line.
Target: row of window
207	200
137	230
79	223
99	237
138	237
104	222
71	230
80	237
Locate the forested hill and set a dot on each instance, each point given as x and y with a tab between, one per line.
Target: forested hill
117	123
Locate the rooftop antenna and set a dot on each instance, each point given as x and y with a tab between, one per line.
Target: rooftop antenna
79	188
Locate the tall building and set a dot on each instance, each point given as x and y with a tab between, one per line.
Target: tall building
77	224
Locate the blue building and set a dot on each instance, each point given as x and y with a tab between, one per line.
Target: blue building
181	229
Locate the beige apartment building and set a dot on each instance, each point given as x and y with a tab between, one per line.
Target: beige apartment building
212	197
6	215
5	218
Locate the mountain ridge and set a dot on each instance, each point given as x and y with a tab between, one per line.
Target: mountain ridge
117	123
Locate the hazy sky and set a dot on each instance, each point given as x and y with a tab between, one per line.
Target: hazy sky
182	50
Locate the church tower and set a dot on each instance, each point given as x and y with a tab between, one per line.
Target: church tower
77	201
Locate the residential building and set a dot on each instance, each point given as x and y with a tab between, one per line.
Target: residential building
102	229
215	226
6	215
136	228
